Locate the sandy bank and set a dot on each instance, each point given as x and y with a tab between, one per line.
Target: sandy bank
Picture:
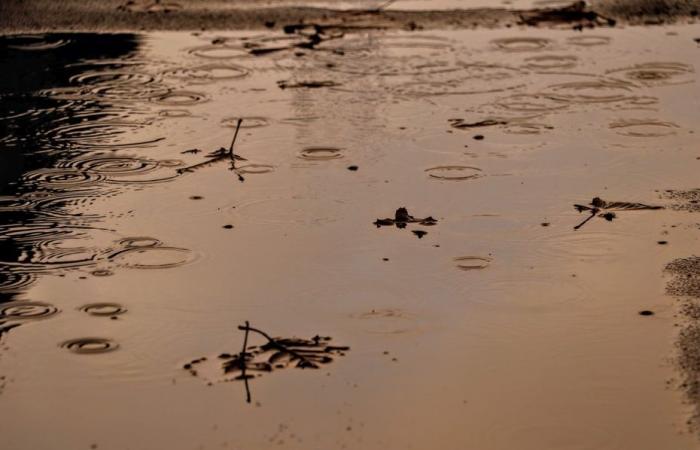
17	15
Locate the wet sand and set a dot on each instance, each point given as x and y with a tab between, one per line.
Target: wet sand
501	328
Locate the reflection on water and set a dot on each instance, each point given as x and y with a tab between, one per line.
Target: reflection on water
68	102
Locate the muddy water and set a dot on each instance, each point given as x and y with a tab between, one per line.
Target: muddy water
501	328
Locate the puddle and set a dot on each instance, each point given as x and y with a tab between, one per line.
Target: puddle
103	208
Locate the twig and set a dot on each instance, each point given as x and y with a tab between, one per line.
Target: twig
233	141
277	345
219	155
594	211
242	356
249	328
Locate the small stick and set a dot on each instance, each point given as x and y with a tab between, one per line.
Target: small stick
242	356
230	149
245	339
594	211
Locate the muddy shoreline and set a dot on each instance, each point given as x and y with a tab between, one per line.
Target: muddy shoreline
119	15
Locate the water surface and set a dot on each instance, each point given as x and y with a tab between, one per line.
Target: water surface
493	331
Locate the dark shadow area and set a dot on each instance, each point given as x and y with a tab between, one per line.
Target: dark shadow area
48	115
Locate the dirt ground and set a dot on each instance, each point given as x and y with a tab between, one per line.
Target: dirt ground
106	15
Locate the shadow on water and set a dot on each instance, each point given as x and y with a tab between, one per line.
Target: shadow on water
67	103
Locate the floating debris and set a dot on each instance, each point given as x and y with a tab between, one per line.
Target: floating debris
461	124
602	208
597	202
576	14
219	155
402	218
288	84
276	353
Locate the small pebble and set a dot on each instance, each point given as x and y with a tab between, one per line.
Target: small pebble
196	197
646	312
228	227
353	168
662	242
479	137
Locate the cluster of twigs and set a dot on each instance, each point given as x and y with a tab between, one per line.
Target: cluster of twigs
604	209
275	353
219	155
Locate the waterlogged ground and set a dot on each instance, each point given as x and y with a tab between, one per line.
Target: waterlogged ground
500	328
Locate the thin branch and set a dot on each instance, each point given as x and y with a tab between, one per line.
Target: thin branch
594	211
233	141
242	356
273	342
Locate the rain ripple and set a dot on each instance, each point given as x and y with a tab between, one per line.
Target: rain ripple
90	345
